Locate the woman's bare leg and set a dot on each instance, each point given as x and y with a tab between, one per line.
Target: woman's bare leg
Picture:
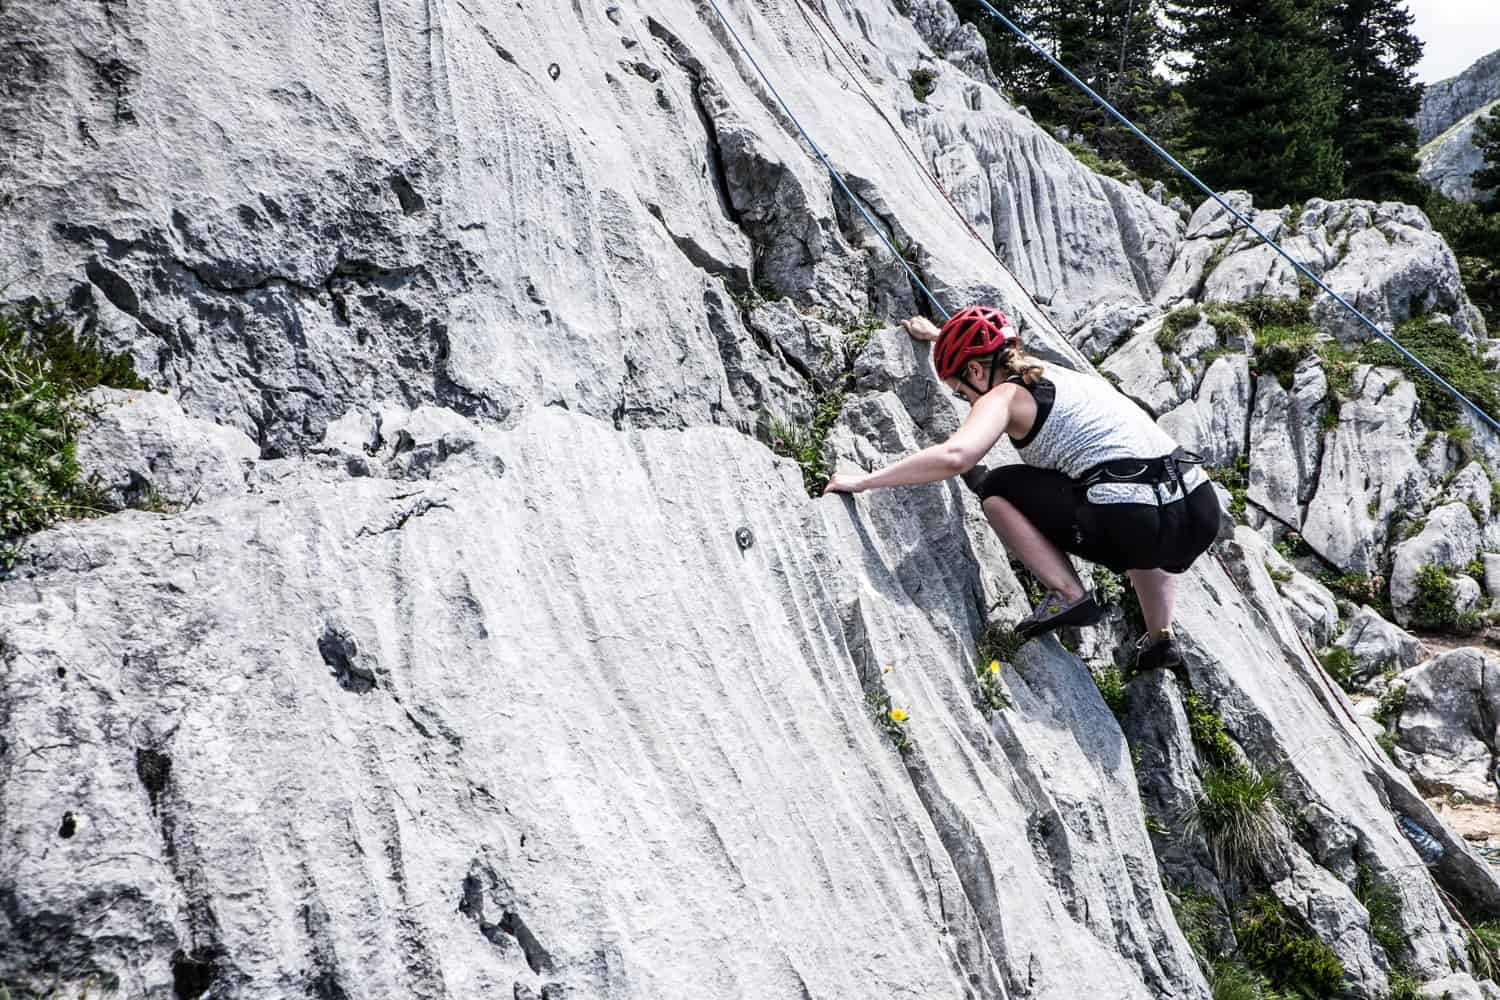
1047	562
1156	589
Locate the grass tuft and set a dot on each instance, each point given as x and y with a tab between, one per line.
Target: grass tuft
45	368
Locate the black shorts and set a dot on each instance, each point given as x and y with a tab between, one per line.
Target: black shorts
1120	536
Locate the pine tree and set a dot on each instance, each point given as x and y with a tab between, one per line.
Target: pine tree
1487	178
1376	52
1264	95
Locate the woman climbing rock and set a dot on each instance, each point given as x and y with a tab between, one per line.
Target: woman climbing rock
1100	479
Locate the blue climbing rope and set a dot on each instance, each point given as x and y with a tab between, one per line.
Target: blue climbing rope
837	177
1301	268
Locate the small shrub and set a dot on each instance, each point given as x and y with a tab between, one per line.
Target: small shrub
1355	587
1236	479
1111	687
1404	986
1388	709
1425	448
1484	948
766	290
1195	912
1434	607
1339	663
1264	311
1279	575
1280	349
1383	903
923	83
1232	981
1237	812
1230	325
45	367
998	643
1291	956
1207	730
1470	622
1109	586
1176	323
807	445
1292	545
1446	352
1475	568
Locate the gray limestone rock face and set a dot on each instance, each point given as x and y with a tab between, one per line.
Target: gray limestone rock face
1491	562
1448	101
1102	328
1246	659
514	665
1156	724
1450	161
1211	220
1161	379
1286	442
1212	423
1185	280
1450	540
1370	471
1471	486
143	450
1076	238
517	687
1392	266
1448	723
1377	645
1460	986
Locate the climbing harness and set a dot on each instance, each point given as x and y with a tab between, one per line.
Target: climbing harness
1154	472
837	177
1300	267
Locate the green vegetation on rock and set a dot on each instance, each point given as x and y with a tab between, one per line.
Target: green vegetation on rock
45	368
1445	351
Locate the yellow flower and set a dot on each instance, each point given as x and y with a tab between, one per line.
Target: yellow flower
886	670
994	666
898	715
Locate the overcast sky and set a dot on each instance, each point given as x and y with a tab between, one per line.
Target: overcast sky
1457	33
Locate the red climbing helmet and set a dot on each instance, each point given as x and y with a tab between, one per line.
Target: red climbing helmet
969	333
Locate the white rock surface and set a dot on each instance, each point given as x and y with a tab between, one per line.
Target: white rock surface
1377	645
471	689
517	689
1286	442
1448	723
1369	472
1212	423
1449	540
145	451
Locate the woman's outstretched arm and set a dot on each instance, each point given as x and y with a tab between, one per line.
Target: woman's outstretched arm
986	422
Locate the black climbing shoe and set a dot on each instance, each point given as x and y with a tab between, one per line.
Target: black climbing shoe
1153	652
1053	612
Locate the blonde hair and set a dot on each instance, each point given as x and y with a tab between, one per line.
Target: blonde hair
1014	360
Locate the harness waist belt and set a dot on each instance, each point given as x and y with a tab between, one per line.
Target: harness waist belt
1165	471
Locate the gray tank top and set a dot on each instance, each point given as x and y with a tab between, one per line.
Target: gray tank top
1088	422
